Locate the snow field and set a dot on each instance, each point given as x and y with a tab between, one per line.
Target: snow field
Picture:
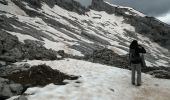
98	82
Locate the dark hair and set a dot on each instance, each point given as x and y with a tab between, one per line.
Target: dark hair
134	44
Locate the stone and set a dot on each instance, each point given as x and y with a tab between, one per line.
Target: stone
16	88
21	98
9	88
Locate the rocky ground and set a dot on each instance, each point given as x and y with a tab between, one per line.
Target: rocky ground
15	80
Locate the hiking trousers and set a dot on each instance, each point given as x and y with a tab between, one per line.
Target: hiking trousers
136	68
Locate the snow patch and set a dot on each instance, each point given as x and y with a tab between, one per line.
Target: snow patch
12	8
60	46
22	37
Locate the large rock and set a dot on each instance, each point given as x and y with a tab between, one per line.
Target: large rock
40	75
17	78
8	89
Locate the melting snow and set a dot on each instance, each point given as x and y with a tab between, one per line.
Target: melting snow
12	8
98	82
60	46
22	37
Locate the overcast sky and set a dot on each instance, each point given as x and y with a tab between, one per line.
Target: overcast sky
156	8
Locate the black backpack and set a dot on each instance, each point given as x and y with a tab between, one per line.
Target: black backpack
135	56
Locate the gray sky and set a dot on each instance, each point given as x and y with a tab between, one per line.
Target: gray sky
156	8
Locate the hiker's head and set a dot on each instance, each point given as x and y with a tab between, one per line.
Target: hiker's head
134	44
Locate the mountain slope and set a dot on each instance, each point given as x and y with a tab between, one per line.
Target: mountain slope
44	32
78	34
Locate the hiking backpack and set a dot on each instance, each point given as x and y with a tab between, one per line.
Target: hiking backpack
135	56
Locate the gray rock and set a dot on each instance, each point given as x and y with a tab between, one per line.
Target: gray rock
16	88
6	92
21	98
8	89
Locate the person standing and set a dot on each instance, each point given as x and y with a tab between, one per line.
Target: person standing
136	59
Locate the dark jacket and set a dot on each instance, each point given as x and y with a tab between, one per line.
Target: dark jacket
137	50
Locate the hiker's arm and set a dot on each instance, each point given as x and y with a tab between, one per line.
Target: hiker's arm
141	49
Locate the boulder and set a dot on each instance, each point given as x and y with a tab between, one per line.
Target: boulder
40	75
8	89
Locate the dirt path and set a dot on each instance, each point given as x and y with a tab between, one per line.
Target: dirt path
153	93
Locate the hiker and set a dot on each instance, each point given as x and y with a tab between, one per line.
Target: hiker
136	60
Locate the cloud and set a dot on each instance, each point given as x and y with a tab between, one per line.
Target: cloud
149	7
165	18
